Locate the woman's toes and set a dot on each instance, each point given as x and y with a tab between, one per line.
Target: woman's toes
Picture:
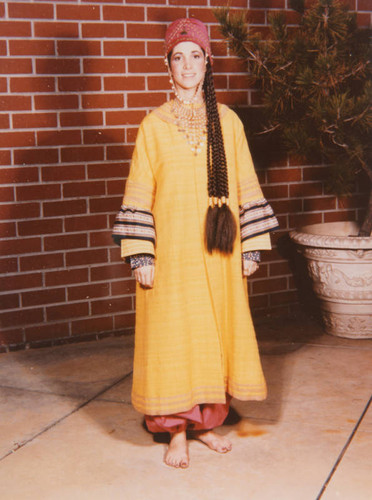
177	453
214	441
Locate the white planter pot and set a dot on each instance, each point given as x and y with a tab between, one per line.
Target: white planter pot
340	265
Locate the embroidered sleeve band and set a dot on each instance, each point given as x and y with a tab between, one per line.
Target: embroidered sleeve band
255	256
134	224
256	217
141	260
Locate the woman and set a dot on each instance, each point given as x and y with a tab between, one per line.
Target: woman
191	183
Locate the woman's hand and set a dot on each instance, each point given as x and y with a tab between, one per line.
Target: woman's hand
249	267
145	276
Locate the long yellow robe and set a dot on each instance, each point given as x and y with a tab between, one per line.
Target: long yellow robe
194	337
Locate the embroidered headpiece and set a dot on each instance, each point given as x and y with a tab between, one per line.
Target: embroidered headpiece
187	30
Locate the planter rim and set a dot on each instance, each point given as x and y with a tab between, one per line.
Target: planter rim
331	235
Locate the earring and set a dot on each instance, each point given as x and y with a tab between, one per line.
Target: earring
173	85
170	77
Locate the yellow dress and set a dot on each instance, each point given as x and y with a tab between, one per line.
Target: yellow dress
194	337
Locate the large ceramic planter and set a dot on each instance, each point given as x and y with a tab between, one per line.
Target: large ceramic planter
340	265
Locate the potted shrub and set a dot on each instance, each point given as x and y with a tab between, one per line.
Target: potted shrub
316	87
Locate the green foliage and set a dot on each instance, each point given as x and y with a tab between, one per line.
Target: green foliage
315	81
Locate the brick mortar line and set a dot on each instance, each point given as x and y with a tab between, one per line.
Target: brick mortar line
89	266
64	417
75	302
76	268
72	338
108	297
66	302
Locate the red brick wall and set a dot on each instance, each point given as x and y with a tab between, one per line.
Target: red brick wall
76	78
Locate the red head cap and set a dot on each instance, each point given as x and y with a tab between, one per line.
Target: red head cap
187	30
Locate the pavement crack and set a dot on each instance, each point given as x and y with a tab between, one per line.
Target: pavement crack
344	449
17	446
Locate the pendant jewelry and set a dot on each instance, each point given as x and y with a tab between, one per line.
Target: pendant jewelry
191	121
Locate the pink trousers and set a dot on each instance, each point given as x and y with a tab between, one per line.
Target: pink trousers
201	417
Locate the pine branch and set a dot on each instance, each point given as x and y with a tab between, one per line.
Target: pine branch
314	82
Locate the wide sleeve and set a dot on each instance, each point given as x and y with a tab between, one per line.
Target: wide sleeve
257	218
134	228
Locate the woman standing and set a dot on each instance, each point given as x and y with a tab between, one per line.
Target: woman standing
191	185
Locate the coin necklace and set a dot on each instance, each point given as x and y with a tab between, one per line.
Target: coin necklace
191	121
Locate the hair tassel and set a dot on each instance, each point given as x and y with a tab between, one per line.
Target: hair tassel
226	230
220	227
211	228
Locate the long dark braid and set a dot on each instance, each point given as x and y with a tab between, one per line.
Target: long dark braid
220	225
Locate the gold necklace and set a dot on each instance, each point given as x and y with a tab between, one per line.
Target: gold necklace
191	121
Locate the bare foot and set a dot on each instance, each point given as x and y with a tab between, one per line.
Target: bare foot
214	441
177	454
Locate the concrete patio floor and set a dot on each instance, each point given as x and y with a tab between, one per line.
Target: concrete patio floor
68	431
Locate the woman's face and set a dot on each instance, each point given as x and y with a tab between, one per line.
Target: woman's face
187	64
